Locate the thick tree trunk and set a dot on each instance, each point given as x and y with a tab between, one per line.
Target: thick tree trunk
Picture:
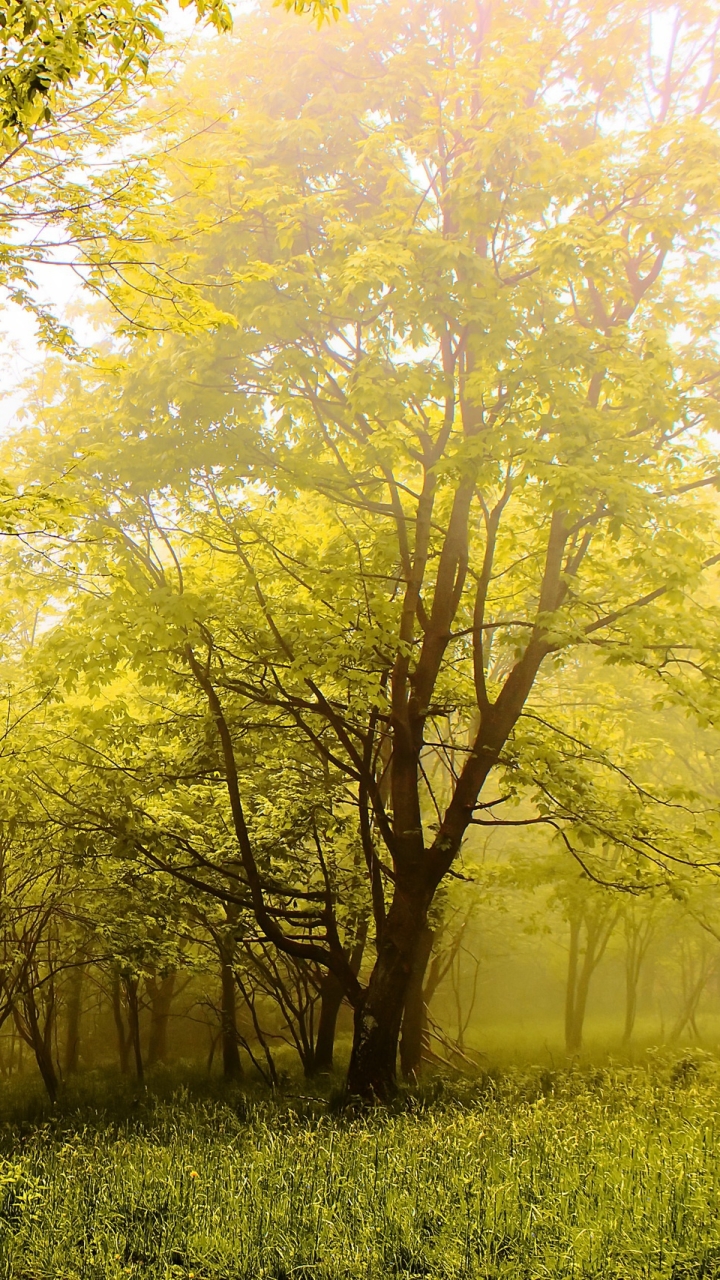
331	998
161	995
232	1066
74	1013
414	1024
373	1061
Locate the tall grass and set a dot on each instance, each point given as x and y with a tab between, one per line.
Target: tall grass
613	1175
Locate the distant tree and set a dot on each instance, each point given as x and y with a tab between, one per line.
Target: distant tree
641	921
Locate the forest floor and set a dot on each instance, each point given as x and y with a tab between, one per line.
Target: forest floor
607	1173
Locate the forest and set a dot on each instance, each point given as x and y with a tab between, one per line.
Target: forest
360	639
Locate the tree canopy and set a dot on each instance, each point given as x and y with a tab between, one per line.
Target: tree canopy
46	46
422	426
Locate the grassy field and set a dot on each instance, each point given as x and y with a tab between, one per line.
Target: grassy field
611	1174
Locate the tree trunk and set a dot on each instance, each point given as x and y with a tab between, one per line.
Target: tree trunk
331	998
639	935
40	1041
232	1066
414	1024
161	994
44	1059
582	990
123	1038
632	977
598	930
571	985
74	1013
133	1004
373	1061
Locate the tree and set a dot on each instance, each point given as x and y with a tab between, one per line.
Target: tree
592	918
454	436
640	927
69	71
47	46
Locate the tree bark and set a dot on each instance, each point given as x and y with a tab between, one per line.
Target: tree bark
161	995
331	998
372	1073
414	1024
639	935
44	1059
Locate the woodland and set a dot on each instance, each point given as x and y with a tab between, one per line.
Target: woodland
360	639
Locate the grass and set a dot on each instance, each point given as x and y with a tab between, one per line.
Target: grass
610	1174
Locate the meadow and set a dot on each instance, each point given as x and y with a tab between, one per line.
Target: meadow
610	1173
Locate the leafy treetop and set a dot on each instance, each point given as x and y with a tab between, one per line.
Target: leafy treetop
47	45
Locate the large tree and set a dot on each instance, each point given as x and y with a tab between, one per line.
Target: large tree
458	428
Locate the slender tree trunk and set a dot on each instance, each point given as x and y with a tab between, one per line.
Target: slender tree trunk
249	998
571	985
40	1041
9	1062
123	1037
633	966
161	995
211	1051
133	1004
630	1009
695	980
44	1059
373	1062
598	930
232	1066
582	990
331	998
74	1013
414	1024
638	939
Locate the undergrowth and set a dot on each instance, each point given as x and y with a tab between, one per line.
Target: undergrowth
611	1174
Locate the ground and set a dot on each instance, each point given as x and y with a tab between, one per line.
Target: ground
608	1173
